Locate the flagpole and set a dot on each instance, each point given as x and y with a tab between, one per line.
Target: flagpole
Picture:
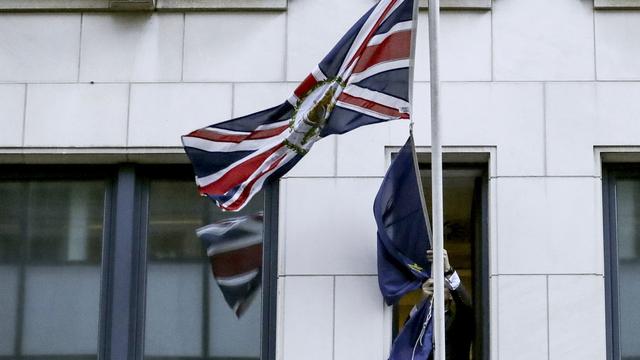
436	181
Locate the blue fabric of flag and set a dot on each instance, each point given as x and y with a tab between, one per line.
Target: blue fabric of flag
403	240
403	231
415	339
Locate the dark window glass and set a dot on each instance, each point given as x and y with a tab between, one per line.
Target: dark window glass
186	314
628	243
50	267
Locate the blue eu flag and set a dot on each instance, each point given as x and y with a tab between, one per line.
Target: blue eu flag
403	240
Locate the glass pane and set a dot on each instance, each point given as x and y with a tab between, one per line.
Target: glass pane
11	213
9	308
61	310
628	233
66	221
186	314
50	243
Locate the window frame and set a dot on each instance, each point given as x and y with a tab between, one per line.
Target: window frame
69	173
124	253
610	175
480	254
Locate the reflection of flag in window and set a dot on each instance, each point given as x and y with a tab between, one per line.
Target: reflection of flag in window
234	248
364	80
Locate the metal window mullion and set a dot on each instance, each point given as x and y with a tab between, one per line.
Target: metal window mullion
24	250
105	268
124	298
206	295
611	265
484	269
270	272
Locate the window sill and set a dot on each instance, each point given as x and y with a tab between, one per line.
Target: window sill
221	4
460	4
616	4
138	5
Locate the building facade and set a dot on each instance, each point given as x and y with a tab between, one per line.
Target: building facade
98	251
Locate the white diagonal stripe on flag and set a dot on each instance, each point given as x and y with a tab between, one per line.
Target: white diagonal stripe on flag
364	32
403	26
394	8
378	97
246	145
262	176
225	131
365	111
238	279
234	245
210	179
318	74
378	68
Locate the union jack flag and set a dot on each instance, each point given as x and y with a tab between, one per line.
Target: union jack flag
234	248
364	80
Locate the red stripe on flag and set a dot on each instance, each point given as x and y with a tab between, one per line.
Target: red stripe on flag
395	47
239	202
371	33
373	106
237	262
307	84
263	134
218	137
238	174
208	134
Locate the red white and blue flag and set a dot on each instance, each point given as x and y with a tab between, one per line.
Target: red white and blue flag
365	79
234	248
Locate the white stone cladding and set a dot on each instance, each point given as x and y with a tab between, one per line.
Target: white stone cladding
539	84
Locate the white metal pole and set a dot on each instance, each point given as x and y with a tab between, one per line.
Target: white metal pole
436	181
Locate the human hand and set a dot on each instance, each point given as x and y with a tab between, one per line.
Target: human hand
427	287
447	265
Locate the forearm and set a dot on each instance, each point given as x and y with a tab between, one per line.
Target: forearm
458	292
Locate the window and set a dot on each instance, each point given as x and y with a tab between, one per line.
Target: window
108	265
51	236
465	238
622	260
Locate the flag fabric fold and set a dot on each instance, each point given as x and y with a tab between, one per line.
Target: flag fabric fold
234	248
415	339
403	228
364	80
403	240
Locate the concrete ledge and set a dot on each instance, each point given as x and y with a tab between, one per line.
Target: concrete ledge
141	155
221	4
132	4
461	4
218	5
141	5
616	4
25	5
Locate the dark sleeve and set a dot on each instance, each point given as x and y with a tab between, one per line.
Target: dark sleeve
462	328
461	298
